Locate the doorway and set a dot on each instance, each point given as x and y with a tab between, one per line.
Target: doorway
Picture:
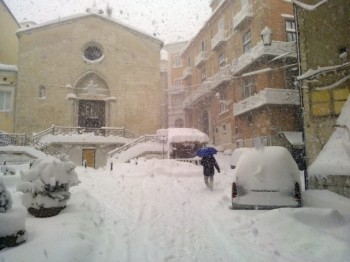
92	113
88	158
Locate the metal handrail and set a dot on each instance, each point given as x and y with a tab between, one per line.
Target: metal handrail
141	139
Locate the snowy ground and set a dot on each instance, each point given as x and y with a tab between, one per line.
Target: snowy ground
160	210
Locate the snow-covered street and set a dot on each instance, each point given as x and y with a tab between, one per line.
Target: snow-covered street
160	210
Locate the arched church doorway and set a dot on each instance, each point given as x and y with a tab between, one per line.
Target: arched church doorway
91	108
91	113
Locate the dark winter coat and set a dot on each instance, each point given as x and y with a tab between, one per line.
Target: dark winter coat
208	164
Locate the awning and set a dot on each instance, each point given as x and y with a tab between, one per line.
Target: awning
294	138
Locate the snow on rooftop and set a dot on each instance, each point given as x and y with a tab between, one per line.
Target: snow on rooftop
5	67
83	138
178	135
334	158
81	15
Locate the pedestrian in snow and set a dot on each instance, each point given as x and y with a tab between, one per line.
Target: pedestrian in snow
208	163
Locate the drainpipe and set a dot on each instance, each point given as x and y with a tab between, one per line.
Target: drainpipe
299	86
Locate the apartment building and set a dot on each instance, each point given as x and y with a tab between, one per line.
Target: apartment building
175	89
238	73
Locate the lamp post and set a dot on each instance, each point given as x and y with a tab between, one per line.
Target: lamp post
266	35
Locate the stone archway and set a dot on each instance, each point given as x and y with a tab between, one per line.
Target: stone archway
91	108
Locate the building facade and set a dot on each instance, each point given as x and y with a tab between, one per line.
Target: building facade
239	87
330	24
175	88
90	71
8	68
324	80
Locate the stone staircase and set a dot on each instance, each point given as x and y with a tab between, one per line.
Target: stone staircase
12	139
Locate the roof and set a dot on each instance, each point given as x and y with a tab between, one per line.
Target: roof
14	18
59	21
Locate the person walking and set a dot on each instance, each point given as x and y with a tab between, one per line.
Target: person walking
208	163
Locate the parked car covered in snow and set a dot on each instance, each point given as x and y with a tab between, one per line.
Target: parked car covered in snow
266	178
236	154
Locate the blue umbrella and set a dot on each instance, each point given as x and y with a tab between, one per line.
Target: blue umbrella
206	151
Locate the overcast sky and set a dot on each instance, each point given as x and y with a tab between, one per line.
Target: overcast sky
169	20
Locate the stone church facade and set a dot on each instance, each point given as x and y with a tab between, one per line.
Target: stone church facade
90	71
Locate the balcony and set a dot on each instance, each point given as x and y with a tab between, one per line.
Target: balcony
200	58
268	96
276	49
197	95
174	90
219	39
187	73
222	76
242	16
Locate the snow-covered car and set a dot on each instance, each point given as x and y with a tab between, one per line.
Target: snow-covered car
266	178
236	154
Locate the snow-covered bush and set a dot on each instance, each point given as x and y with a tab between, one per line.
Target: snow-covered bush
12	221
5	198
46	186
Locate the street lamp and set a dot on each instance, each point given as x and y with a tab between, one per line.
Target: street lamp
266	35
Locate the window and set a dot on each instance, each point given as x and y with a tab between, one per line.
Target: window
203	46
5	101
93	52
221	25
178	82
246	42
248	88
222	59
42	92
177	61
203	74
179	123
177	100
290	75
328	103
291	31
223	102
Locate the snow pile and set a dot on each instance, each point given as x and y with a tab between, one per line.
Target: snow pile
12	220
180	135
334	159
160	210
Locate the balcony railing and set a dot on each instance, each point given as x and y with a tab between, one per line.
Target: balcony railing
268	96
197	95
276	49
223	75
187	73
242	16
173	90
219	39
200	58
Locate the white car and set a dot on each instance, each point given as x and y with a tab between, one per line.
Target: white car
266	178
